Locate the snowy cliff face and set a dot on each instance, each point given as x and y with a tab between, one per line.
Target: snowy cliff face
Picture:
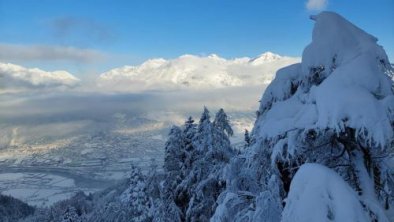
335	108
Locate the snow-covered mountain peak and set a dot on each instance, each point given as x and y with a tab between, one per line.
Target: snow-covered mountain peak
214	56
265	57
18	77
195	72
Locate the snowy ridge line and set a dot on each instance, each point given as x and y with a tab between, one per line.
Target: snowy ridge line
16	77
195	72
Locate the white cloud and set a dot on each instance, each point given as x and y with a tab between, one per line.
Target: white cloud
194	72
316	5
14	78
16	52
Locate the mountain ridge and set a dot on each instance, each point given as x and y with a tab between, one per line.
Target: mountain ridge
196	72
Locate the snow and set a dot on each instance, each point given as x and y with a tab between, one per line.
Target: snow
308	115
317	193
20	77
6	177
335	36
37	189
195	72
351	87
265	58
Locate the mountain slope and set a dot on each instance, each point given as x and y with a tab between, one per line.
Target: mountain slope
17	78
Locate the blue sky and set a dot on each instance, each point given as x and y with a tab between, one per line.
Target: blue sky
117	33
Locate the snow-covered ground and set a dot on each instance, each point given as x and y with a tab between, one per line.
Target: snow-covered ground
40	189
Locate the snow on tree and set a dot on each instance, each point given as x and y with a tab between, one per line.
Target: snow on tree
336	108
189	132
153	180
167	210
203	149
135	196
205	181
164	207
328	198
247	138
200	144
174	157
71	215
221	122
12	209
203	138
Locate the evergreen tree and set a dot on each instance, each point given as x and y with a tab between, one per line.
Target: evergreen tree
189	133
189	128
12	209
221	122
136	198
153	180
204	136
204	183
167	211
326	110
174	156
247	138
71	215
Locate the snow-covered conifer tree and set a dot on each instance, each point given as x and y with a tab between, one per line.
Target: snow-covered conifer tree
204	182
167	210
174	156
221	122
71	215
135	197
336	109
189	132
247	138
